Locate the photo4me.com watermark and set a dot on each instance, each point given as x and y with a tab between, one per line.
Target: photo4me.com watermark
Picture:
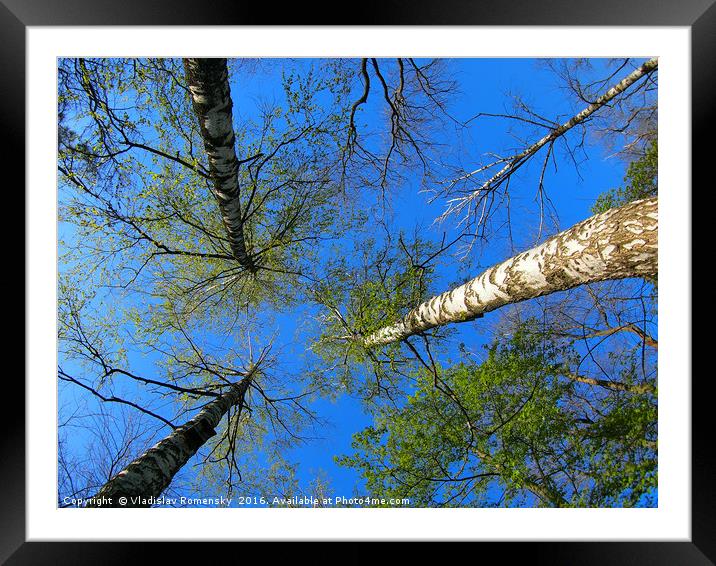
239	501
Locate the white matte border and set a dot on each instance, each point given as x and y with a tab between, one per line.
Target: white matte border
670	521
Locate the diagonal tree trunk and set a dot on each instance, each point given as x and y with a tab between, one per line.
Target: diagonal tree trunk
607	383
518	159
646	68
150	474
208	82
616	244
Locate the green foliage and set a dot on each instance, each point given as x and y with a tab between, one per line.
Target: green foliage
641	181
144	225
146	273
512	429
359	299
144	253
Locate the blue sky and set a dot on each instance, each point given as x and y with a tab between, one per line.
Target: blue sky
483	85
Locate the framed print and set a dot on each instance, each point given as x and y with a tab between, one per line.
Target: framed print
400	278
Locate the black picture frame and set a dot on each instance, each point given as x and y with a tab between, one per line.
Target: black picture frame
699	15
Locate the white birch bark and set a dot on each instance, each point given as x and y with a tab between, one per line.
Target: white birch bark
208	82
150	474
616	244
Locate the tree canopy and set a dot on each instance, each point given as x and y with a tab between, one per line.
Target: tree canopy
235	234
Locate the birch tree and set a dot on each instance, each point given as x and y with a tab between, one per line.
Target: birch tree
208	83
132	150
514	428
476	201
145	478
628	124
560	412
244	400
203	222
616	244
150	253
115	438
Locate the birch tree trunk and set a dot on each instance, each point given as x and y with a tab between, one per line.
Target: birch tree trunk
208	82
149	475
616	244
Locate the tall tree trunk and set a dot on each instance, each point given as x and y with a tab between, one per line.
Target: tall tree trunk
208	82
616	244
150	474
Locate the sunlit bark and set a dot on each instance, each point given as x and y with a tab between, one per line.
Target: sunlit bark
616	244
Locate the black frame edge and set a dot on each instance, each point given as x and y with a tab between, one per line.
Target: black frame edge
12	439
699	14
369	12
703	84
